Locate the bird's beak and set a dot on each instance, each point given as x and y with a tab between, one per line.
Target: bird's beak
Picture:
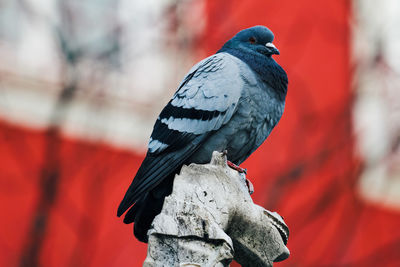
272	48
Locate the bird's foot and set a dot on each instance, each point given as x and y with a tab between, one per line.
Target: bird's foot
242	170
250	186
236	167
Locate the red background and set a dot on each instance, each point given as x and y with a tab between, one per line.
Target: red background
307	170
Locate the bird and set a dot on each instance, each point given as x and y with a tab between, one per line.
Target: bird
229	101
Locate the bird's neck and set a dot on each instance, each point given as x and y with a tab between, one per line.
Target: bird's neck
266	67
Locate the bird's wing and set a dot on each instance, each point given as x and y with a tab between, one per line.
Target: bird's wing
206	100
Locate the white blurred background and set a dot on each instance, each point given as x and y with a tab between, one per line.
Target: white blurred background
376	52
125	59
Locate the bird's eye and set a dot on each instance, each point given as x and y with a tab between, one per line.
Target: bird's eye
252	40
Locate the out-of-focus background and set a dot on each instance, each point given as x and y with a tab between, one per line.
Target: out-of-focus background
81	83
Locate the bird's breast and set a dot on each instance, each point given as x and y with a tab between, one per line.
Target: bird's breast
257	112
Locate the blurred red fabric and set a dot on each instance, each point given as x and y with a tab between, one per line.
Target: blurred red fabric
82	227
306	170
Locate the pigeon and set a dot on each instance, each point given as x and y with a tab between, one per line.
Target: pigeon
230	101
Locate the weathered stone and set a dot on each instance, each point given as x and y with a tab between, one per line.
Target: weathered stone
210	219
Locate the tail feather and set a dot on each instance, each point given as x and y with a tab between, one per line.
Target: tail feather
153	171
131	214
141	184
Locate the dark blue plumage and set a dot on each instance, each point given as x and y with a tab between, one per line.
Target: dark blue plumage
229	101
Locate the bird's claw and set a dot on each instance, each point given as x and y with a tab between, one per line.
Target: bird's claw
250	186
236	167
242	170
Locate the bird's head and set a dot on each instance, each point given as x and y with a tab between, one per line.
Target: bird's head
255	39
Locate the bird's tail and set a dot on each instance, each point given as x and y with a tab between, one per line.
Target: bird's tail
142	213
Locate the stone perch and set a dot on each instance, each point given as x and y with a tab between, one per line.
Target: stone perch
210	219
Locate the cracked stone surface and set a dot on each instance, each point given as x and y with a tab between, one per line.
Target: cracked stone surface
210	219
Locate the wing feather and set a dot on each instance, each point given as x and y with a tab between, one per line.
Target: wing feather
205	101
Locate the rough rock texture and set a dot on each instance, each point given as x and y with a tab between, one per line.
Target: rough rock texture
210	219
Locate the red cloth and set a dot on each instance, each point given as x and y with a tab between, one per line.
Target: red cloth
82	227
